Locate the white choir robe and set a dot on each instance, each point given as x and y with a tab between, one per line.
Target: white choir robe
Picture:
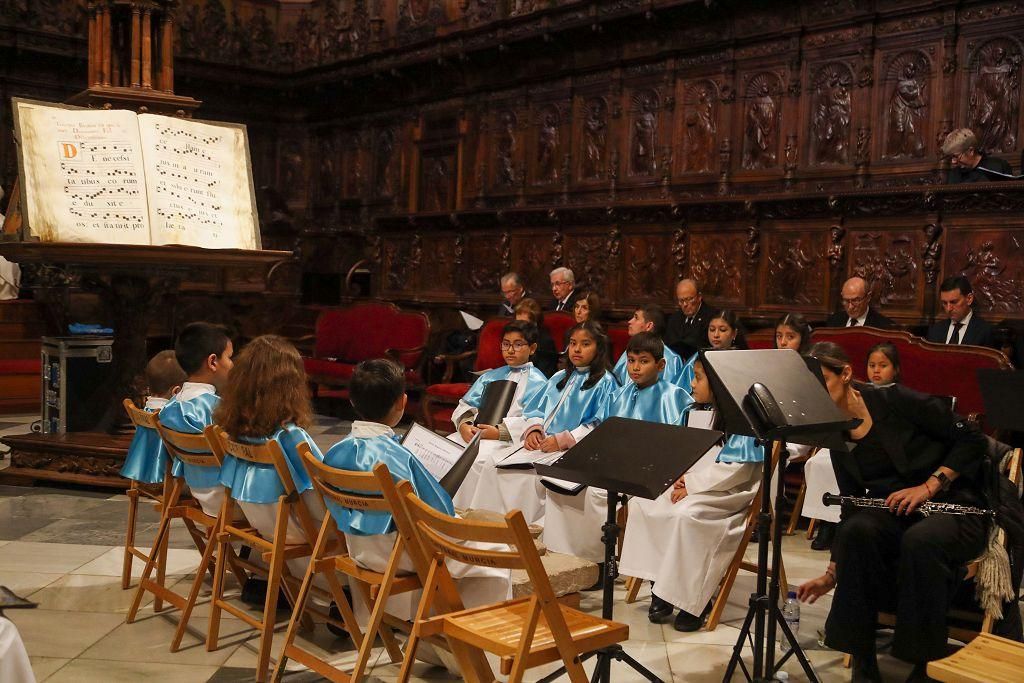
14	663
820	478
529	382
685	547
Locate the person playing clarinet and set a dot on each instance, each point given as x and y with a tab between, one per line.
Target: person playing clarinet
909	448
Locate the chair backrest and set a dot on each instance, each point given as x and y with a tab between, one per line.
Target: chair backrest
267	453
761	339
193	449
937	369
357	491
618	335
558	323
368	330
140	417
488	345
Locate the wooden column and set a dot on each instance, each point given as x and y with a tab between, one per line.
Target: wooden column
167	54
147	50
136	45
93	43
105	44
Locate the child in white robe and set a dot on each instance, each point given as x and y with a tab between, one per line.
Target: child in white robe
683	541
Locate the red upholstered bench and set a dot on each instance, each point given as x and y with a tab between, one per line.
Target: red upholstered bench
439	400
346	336
618	335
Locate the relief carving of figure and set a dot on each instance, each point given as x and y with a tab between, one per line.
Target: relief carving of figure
645	127
385	149
906	115
762	122
794	265
506	144
831	117
994	100
437	185
547	146
700	132
987	272
593	139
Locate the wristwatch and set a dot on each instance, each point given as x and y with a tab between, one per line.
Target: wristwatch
944	481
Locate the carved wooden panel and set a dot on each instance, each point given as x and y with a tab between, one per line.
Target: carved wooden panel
485	256
595	258
992	257
794	270
647	133
532	253
907	98
697	150
591	125
830	100
548	154
400	261
438	172
716	262
890	261
647	274
761	117
993	87
438	269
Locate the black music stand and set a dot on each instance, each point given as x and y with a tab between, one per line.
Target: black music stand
606	459
775	396
1002	393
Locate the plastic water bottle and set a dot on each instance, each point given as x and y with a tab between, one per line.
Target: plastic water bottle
791	615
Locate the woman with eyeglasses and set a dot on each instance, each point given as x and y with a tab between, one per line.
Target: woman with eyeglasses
909	448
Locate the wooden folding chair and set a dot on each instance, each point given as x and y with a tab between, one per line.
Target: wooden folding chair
634	584
986	658
193	449
142	420
273	550
523	633
356	491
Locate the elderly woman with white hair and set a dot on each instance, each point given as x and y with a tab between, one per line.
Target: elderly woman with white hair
969	164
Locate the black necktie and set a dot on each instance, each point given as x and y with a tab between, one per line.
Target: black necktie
853	323
955	337
689	321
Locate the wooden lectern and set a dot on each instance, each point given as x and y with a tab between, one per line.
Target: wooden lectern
131	56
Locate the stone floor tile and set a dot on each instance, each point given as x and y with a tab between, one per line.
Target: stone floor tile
50	633
101	671
110	562
48	558
26	583
44	667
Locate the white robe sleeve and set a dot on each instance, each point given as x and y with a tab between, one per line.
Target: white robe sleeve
517	426
462	411
721	476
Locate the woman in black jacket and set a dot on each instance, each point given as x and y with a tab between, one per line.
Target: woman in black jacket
909	448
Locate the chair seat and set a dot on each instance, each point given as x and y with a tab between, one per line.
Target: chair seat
986	658
455	390
340	372
498	628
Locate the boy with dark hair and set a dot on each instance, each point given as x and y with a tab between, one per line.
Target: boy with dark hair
147	456
377	393
650	319
572	524
204	352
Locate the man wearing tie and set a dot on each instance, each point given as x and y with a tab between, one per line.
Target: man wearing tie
857	311
513	291
563	288
962	326
686	330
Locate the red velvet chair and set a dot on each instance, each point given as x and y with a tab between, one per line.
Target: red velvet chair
558	324
439	400
618	335
762	339
346	336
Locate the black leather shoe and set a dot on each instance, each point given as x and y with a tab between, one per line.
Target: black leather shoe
865	670
254	594
335	613
660	611
687	622
823	539
600	579
920	675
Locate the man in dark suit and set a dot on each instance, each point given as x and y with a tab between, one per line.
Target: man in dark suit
686	330
563	289
513	291
857	311
962	325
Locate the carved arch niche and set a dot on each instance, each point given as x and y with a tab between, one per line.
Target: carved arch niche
700	126
905	106
644	136
831	114
506	142
548	146
762	115
993	93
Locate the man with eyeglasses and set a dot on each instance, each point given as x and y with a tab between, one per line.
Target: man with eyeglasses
513	291
563	289
857	311
968	164
686	330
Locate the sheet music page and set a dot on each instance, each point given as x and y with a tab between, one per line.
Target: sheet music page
437	453
83	175
523	458
200	188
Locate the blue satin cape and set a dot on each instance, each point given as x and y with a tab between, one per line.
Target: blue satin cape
741	449
579	407
361	454
252	482
535	381
192	417
147	457
673	372
661	402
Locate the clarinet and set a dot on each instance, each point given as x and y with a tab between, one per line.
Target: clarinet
926	508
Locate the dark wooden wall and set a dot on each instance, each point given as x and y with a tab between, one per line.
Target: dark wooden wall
769	149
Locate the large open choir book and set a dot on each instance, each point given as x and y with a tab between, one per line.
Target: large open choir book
117	177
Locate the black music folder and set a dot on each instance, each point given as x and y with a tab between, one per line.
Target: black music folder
496	401
634	457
